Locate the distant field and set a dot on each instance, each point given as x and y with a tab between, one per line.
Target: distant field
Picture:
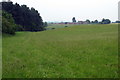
56	26
0	56
78	51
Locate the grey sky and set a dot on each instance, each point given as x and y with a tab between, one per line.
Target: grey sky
64	10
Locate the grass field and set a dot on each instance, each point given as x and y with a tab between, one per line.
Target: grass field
0	56
56	26
80	51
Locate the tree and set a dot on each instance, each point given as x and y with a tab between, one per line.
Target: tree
117	22
45	24
105	21
96	22
88	21
8	25
27	19
108	21
73	19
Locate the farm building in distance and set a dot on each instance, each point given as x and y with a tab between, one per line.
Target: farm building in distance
79	22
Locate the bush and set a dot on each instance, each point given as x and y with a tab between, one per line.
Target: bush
53	28
45	24
105	21
19	28
8	25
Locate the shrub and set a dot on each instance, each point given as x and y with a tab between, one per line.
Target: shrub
53	28
8	25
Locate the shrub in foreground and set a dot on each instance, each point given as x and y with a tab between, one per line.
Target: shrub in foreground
8	25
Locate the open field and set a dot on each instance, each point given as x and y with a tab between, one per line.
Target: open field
0	56
80	51
57	26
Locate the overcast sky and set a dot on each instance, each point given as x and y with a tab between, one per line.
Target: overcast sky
64	10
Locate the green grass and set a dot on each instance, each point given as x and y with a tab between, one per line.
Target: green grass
80	51
56	26
0	56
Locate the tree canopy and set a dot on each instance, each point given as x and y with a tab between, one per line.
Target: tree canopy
105	21
8	25
29	19
73	19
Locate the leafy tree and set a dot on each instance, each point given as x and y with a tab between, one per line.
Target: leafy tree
105	21
96	22
88	21
73	19
66	22
8	25
0	21
45	24
92	22
28	19
117	22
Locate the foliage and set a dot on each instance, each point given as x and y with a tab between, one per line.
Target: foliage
0	21
117	22
45	24
8	25
66	26
29	19
88	21
73	19
95	22
105	21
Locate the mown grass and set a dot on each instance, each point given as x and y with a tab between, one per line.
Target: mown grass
81	51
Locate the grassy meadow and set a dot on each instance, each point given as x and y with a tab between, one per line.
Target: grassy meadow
78	51
57	26
0	56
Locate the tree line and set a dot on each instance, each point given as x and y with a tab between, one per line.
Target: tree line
104	21
23	18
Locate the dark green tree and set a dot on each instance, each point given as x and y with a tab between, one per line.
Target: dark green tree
117	22
27	19
105	21
45	24
73	19
8	25
96	22
88	21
